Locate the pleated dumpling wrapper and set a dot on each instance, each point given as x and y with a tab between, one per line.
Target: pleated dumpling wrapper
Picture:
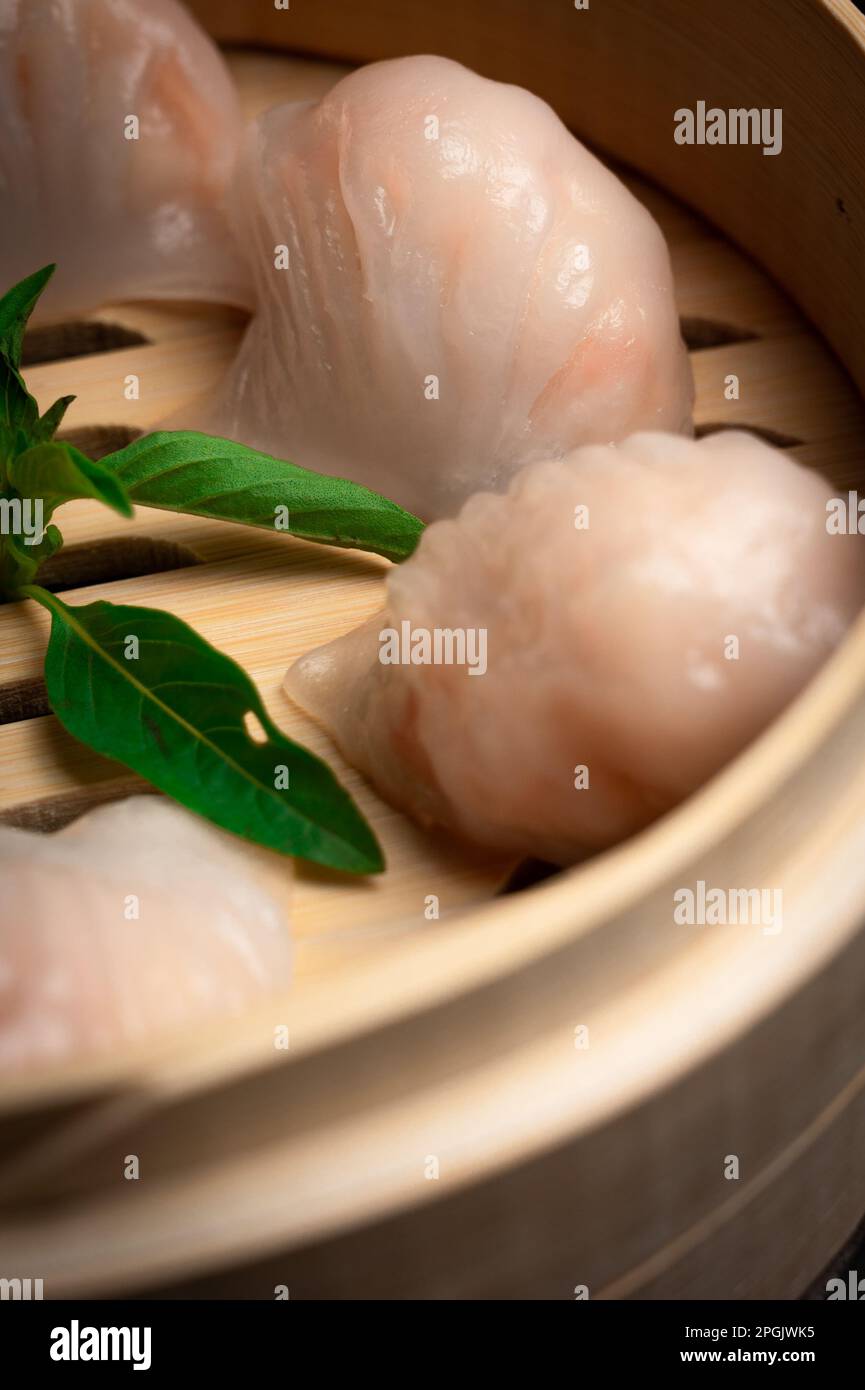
119	126
135	921
620	624
449	285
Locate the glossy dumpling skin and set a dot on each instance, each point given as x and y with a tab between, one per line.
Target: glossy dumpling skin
79	977
607	647
122	218
498	257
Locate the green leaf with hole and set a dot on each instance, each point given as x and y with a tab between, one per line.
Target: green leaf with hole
60	473
139	685
183	471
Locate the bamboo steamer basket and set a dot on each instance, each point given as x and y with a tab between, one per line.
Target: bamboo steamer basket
433	1129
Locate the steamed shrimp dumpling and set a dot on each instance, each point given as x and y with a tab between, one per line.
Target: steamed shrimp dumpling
449	286
135	920
119	126
627	656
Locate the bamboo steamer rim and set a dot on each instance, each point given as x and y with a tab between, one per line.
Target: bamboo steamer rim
490	942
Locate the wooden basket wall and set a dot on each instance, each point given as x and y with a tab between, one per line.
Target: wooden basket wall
455	1040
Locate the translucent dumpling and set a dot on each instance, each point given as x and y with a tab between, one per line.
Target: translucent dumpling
118	130
135	920
559	665
449	286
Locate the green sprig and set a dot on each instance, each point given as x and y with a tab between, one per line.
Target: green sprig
141	686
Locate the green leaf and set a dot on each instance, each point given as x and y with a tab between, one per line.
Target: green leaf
20	563
60	473
51	542
18	409
12	441
16	306
175	714
183	471
48	424
17	406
